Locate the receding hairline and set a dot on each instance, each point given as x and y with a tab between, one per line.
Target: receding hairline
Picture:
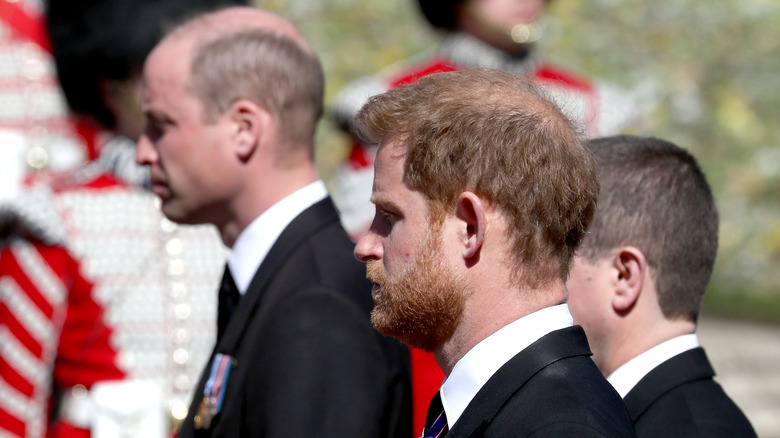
209	27
493	94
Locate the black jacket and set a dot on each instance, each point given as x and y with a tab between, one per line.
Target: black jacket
308	362
679	399
550	389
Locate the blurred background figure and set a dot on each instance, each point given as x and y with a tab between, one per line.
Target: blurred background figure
31	102
154	278
52	332
498	34
637	283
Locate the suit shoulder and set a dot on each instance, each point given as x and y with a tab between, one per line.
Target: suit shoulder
695	409
567	396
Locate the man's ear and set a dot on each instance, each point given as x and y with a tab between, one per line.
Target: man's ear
250	123
471	211
630	267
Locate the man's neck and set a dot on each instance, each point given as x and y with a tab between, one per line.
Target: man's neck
478	365
256	241
640	338
258	197
488	314
626	377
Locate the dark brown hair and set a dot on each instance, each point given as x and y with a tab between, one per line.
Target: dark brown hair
655	197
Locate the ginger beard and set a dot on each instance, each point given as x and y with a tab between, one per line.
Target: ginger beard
422	305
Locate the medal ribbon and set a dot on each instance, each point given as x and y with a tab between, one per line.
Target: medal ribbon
214	392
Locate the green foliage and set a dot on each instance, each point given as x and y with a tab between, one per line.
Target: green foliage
707	74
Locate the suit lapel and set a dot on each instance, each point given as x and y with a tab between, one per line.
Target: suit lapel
310	221
683	368
513	375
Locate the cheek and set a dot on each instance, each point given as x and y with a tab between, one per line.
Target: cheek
395	253
589	301
196	164
399	251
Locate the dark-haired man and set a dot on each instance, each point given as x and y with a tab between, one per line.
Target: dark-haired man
637	283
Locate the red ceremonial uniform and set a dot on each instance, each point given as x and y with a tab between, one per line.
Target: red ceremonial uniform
52	331
157	281
31	101
154	280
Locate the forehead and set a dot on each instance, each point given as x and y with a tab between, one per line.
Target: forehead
389	165
389	186
166	69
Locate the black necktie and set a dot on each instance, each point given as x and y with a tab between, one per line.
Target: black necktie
228	299
435	419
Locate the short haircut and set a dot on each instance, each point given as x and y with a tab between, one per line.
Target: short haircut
267	68
98	40
497	135
655	197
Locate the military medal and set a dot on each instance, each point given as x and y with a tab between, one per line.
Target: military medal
214	391
202	416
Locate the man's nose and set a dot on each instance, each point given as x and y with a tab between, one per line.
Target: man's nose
145	153
368	247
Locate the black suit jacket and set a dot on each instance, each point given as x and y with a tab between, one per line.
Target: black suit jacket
308	361
550	389
679	399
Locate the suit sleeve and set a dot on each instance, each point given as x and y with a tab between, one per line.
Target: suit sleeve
324	370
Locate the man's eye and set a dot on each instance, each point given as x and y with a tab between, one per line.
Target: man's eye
388	216
155	128
384	221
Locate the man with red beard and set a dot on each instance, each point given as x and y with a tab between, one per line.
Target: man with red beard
483	191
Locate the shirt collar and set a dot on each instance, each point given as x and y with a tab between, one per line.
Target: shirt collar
256	240
630	373
481	362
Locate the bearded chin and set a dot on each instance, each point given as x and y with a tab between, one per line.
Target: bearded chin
421	307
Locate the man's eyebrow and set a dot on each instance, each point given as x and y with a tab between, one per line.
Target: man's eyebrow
381	201
153	114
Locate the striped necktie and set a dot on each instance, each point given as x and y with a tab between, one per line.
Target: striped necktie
436	419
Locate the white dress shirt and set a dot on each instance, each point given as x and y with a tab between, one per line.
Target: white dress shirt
481	362
256	240
630	373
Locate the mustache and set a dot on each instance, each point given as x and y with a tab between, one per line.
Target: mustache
375	272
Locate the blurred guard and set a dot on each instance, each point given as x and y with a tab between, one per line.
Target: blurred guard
498	34
151	276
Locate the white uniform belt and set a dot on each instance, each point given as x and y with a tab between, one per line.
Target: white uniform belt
116	409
